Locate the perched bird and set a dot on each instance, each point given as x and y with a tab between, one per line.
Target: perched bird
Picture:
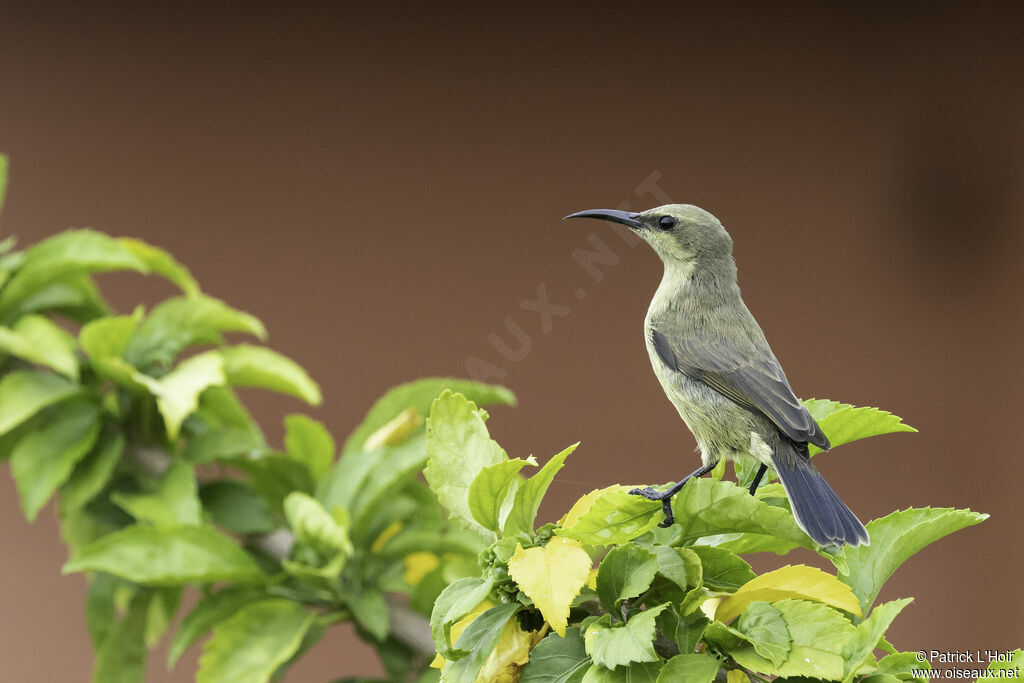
717	369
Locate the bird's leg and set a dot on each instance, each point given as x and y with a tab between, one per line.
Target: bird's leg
651	493
757	478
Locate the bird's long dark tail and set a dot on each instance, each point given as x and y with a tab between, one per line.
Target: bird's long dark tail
816	507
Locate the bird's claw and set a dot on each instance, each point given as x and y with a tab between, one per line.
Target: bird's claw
651	493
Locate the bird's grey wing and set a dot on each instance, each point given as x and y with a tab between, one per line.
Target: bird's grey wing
756	383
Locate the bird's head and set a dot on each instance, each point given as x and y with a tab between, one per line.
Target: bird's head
679	233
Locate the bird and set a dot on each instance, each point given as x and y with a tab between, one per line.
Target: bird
716	367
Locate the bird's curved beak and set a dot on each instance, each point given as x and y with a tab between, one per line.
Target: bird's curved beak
629	219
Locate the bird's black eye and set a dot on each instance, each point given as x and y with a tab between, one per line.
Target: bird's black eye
666	222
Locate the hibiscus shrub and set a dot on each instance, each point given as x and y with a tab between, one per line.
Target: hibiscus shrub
165	483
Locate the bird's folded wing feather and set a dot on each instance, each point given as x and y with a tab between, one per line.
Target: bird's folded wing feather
756	383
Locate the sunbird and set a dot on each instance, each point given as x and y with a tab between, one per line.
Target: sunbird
717	369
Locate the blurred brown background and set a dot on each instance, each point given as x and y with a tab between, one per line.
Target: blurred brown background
383	187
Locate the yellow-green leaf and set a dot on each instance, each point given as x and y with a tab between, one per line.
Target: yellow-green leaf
790	582
551	576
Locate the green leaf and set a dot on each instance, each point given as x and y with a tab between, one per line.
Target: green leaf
314	526
222	443
258	366
551	576
681	566
531	493
208	612
70	253
161	262
458	448
420	395
858	650
691	667
37	340
167	557
610	516
100	610
847	423
394	468
172	501
233	504
493	491
625	572
104	340
74	296
817	633
371	612
612	646
456	601
45	458
162	608
274	476
557	660
791	581
765	629
24	393
309	442
707	507
249	646
722	569
92	473
479	640
637	672
894	539
177	392
122	656
181	322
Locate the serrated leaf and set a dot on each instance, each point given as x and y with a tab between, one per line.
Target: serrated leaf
765	629
493	490
557	659
209	611
818	634
161	262
23	393
858	650
690	667
249	646
790	582
458	448
172	501
45	458
681	566
167	557
625	572
38	340
122	656
234	505
722	569
177	393
848	423
706	507
180	322
70	253
309	442
479	640
611	646
531	492
894	539
257	366
419	395
551	576
610	516
454	603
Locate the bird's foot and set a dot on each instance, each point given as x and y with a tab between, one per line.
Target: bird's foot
651	493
